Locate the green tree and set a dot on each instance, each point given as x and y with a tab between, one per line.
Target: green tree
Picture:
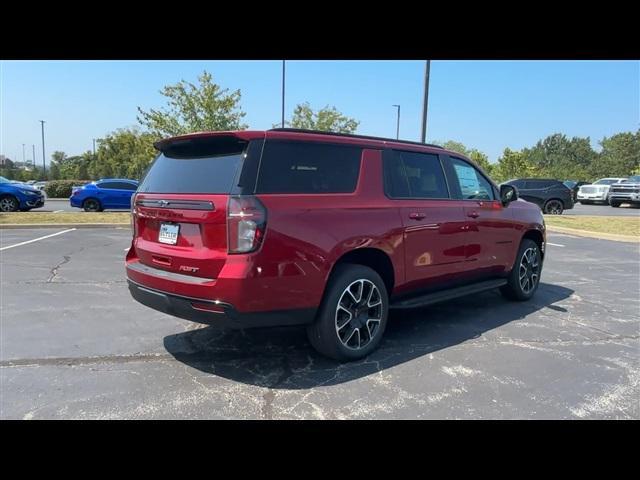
327	119
620	156
124	153
54	171
193	108
559	157
512	164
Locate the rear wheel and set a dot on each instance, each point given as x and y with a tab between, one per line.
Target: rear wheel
553	207
91	205
353	314
9	204
524	278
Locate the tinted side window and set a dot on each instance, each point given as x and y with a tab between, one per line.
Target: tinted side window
123	186
107	185
303	167
472	183
538	184
414	175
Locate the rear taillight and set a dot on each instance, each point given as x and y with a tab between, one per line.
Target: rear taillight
246	223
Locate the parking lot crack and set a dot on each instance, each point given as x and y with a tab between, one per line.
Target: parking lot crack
54	270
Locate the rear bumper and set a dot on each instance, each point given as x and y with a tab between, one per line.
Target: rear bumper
225	316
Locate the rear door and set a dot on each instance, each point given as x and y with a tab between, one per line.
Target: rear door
107	194
180	208
434	223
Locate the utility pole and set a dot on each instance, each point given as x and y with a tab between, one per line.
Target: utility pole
427	67
94	147
398	122
283	71
44	167
23	160
33	156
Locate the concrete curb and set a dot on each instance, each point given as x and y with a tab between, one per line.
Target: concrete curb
590	234
9	226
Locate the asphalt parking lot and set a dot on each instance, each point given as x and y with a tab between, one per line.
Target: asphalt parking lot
75	345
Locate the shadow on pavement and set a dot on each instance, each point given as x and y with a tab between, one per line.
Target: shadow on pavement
282	358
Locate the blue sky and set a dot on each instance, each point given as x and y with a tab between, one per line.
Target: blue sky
488	105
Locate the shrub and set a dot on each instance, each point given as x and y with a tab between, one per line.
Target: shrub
62	188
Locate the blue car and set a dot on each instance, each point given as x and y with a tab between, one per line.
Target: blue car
16	196
106	193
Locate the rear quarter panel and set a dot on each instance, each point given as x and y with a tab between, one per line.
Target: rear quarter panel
307	234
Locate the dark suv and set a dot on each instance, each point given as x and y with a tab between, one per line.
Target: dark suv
552	196
288	227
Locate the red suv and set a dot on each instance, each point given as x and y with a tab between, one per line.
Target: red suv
287	227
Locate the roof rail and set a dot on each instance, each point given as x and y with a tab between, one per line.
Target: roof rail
351	135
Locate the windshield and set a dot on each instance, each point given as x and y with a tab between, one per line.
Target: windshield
607	181
634	179
4	180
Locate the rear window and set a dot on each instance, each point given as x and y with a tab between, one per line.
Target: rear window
303	167
207	165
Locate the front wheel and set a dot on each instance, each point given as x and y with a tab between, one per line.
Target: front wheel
553	207
9	204
524	278
614	204
353	315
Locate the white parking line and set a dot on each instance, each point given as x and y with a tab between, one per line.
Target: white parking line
36	239
555	244
58	211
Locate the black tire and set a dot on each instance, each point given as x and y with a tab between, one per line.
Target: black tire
25	209
340	315
614	204
92	205
553	207
514	289
9	203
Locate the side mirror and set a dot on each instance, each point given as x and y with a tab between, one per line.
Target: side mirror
508	193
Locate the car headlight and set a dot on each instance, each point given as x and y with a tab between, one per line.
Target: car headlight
29	192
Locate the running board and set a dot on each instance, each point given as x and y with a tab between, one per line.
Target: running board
444	295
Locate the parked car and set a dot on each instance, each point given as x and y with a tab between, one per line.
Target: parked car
106	193
597	192
574	186
16	196
552	196
627	191
284	227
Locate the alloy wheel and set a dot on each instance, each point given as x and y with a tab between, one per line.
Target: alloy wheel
529	273
358	314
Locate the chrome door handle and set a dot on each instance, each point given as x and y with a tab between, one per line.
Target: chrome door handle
473	214
416	216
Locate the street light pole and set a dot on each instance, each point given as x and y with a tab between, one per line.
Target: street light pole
94	147
427	68
398	122
33	147
23	160
283	71
44	167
